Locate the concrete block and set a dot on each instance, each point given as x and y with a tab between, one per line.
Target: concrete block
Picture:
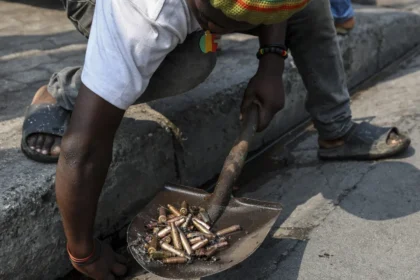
379	37
32	240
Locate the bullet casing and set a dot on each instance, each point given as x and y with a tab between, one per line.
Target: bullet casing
209	236
184	208
158	255
170	216
204	215
228	230
180	222
196	240
166	239
185	243
174	219
169	248
218	245
205	252
151	250
194	234
174	210
187	222
162	215
175	237
202	223
211	252
164	232
200	227
175	260
153	245
200	252
200	244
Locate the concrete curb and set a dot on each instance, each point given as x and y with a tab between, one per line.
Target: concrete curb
146	153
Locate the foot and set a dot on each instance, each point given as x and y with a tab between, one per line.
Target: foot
365	141
344	27
393	139
42	143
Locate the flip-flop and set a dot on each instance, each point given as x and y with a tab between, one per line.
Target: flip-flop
365	141
47	119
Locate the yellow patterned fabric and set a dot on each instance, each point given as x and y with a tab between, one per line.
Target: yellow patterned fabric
259	11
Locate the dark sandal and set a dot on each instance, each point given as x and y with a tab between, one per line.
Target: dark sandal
43	118
365	141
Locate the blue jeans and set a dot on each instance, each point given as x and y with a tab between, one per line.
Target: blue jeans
341	10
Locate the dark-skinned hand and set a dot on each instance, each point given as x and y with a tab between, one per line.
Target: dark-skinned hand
108	267
266	90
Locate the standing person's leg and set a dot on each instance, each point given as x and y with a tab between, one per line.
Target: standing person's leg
64	85
343	14
341	10
47	117
313	42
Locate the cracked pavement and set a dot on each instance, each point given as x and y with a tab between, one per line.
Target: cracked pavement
344	220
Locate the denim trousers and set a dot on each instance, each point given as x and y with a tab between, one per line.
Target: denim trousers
342	10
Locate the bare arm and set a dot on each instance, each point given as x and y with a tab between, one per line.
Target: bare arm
272	35
266	87
83	165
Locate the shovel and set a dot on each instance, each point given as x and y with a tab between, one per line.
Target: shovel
255	217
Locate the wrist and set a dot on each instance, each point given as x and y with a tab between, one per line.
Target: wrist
81	249
93	256
271	62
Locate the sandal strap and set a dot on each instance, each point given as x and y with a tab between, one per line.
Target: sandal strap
45	118
368	134
366	141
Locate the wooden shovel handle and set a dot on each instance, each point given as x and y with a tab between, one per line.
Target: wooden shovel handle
233	165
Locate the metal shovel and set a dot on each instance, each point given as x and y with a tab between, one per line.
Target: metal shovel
255	217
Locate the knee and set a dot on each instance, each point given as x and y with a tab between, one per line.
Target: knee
80	13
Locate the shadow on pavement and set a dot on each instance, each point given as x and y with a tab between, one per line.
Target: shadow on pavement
377	190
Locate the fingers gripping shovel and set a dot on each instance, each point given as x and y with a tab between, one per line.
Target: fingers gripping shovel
255	217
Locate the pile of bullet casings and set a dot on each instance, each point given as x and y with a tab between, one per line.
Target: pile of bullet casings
184	235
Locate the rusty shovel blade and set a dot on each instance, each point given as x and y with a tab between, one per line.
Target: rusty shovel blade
255	217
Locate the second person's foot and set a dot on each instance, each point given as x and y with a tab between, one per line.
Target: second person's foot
44	125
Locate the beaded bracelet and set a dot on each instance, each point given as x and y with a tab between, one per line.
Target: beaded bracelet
277	49
93	257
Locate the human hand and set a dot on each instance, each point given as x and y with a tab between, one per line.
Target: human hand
107	267
266	90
